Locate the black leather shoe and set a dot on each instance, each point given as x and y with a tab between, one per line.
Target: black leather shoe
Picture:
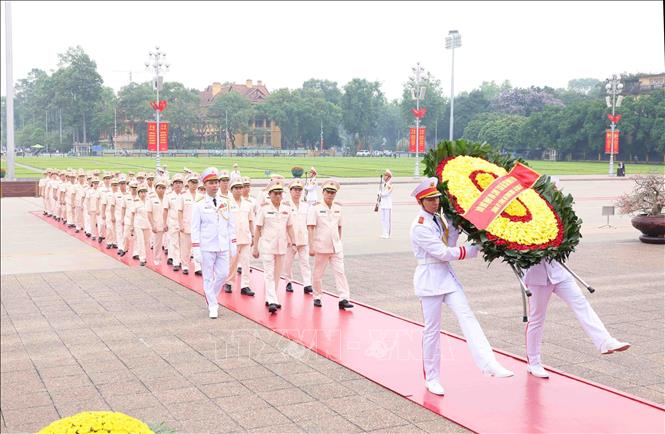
176	268
77	231
135	257
88	235
247	291
317	302
115	246
239	270
198	273
279	306
169	262
142	263
185	271
109	247
228	288
308	289
272	308
94	238
124	252
344	304
289	288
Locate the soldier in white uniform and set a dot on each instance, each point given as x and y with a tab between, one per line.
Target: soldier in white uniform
213	238
324	226
235	173
545	279
243	211
171	222
271	234
312	188
42	190
119	208
433	242
299	211
386	203
156	217
184	207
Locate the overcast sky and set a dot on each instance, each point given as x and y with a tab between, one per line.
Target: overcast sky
286	43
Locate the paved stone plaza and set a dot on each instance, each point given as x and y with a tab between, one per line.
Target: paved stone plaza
82	331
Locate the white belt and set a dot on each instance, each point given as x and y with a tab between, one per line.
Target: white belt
429	261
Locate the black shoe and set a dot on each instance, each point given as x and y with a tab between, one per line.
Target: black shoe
239	270
142	263
199	273
135	257
169	262
317	302
308	289
279	306
289	288
88	235
247	291
77	231
227	288
94	238
124	252
185	271
100	240
109	246
344	304
176	268
115	246
272	308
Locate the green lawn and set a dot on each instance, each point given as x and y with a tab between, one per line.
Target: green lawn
255	167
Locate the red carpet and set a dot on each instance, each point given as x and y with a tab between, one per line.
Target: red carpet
387	350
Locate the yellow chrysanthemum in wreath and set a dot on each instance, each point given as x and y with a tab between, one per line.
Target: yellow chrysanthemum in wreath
527	222
97	422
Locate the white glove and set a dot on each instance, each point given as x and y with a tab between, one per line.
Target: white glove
471	250
196	254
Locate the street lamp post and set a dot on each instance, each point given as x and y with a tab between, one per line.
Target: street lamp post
418	93
613	100
156	59
453	40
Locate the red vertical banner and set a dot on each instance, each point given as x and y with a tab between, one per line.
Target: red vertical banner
421	139
152	136
609	148
163	136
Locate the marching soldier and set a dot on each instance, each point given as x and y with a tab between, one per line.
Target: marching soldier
224	179
128	219
433	242
171	222
246	190
104	189
311	187
324	225
86	200
119	208
543	280
142	224
299	211
42	189
243	213
79	192
93	198
272	230
213	238
62	190
386	203
108	209
70	193
184	206
156	217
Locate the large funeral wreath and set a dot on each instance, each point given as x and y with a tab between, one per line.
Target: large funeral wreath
539	224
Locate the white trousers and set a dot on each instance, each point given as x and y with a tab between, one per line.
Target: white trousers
571	294
120	233
157	247
386	221
303	259
475	337
321	261
142	243
215	268
272	269
241	259
174	246
186	252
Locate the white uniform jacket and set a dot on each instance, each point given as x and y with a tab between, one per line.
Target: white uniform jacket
386	193
213	227
545	273
433	275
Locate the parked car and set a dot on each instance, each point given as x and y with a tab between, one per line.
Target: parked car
363	153
388	153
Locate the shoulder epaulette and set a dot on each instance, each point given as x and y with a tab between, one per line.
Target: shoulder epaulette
421	220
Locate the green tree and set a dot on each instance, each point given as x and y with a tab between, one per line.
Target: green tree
237	108
361	104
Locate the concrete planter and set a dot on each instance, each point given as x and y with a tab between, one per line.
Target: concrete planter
652	228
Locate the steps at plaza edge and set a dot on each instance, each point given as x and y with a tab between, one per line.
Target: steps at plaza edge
386	349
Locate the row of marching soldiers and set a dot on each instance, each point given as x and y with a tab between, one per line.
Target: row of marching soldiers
140	212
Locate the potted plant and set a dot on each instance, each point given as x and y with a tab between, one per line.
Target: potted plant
646	201
297	171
